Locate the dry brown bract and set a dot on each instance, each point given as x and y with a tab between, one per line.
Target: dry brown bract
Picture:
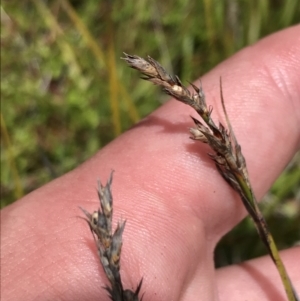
109	245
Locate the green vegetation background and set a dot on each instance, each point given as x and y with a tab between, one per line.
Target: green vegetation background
65	93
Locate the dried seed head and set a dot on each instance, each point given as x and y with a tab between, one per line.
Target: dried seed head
228	156
109	245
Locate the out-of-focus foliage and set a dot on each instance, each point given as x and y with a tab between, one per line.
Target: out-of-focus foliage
65	93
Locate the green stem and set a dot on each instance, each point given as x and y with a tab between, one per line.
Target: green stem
266	236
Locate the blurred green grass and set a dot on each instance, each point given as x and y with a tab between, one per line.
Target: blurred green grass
65	93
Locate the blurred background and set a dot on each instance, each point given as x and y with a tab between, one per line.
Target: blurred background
65	93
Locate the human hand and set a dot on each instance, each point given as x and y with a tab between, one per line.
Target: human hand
176	204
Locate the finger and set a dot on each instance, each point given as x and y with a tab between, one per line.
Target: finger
258	279
176	204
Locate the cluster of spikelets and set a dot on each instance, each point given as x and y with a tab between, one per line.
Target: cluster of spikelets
228	159
109	244
228	156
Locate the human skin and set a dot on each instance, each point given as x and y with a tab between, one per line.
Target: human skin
176	204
